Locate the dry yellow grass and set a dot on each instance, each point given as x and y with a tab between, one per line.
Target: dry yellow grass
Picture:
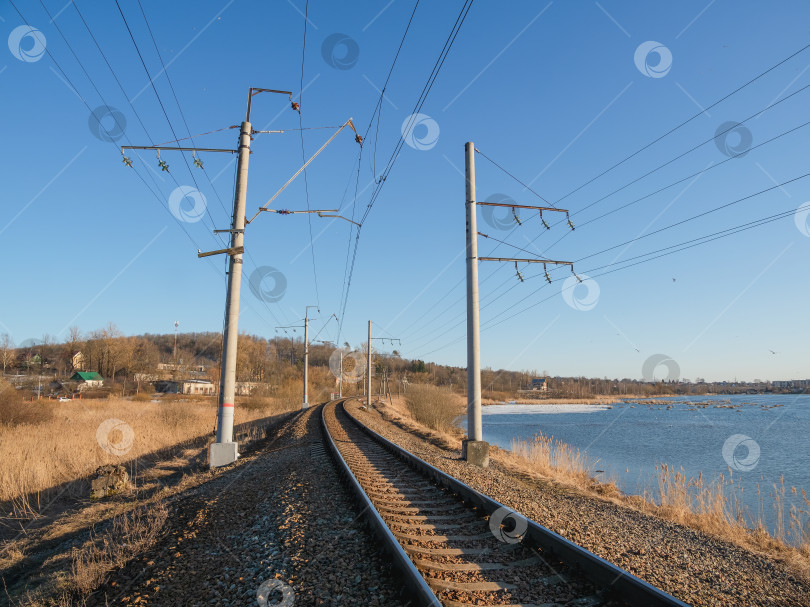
714	507
129	534
73	439
553	458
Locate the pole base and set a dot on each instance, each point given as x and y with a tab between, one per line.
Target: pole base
222	454
305	405
475	452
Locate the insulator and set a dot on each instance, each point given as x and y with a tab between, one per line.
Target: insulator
519	275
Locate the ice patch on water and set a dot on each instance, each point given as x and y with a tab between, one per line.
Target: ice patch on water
547	409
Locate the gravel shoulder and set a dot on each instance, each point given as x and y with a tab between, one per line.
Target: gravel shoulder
691	565
283	514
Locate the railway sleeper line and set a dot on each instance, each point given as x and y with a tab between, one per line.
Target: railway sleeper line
442	537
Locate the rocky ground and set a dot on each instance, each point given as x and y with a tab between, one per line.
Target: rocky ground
280	522
692	566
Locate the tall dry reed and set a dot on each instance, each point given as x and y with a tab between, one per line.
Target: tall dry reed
553	457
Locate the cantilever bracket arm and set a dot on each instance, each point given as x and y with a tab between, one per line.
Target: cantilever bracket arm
339	217
359	139
230	251
253	91
174	148
286	212
560	263
520	206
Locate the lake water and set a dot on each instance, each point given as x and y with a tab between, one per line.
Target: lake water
761	437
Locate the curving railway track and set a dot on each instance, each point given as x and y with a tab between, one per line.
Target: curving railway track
455	546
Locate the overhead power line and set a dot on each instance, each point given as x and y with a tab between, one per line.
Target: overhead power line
465	9
649	256
685	122
303	151
160	102
689	151
180	109
661	137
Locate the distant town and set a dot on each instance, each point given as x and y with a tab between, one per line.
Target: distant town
105	362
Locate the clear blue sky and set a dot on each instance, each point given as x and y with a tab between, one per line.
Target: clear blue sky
551	91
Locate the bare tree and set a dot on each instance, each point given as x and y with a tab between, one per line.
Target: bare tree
6	351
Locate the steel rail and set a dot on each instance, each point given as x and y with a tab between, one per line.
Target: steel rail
414	581
632	589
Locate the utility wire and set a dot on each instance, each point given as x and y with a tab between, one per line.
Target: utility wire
672	130
180	109
162	107
688	245
551	204
679	156
160	201
650	144
378	113
465	9
188	130
685	122
92	82
658	191
679	247
303	152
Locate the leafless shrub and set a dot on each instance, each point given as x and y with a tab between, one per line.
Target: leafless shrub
435	407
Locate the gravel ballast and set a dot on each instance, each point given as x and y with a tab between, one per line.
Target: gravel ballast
688	564
282	514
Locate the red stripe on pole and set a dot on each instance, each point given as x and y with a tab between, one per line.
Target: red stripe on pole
227	405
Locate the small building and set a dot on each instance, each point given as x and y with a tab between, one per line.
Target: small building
77	360
539	384
185	386
165	386
87	379
197	386
181	367
245	388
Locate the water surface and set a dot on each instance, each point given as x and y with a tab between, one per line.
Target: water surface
627	440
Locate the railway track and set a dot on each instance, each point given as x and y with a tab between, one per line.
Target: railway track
455	546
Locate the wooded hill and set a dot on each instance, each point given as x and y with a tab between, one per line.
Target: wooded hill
273	362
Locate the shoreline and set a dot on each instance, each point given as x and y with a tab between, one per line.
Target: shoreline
744	565
596	400
749	569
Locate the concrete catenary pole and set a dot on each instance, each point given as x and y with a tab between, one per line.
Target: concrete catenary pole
474	449
368	369
305	404
340	381
224	451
